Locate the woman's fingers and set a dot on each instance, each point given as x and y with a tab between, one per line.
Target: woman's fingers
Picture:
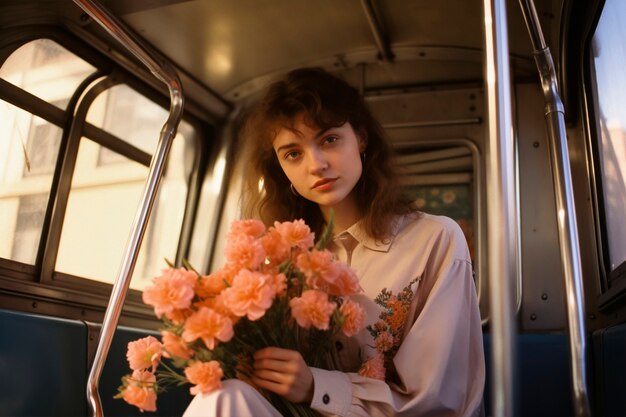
284	372
276	365
280	360
276	353
274	376
276	387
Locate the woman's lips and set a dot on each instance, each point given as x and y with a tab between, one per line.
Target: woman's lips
324	184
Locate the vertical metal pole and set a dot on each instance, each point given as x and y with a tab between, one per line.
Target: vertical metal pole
566	212
167	75
502	236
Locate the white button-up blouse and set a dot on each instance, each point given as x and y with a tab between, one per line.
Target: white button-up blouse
440	364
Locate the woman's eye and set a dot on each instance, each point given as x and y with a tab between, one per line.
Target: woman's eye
331	139
292	155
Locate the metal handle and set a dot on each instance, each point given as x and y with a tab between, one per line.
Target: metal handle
165	73
502	234
380	37
566	213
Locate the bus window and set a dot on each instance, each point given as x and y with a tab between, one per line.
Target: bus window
439	180
27	160
107	186
30	145
127	114
108	178
46	70
608	62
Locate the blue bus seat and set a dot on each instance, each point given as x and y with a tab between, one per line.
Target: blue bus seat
44	368
543	382
43	364
609	348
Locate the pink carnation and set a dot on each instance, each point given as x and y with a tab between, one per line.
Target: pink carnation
144	353
172	291
346	282
318	268
279	283
251	294
209	326
251	227
179	316
296	233
276	247
243	251
353	316
174	346
374	368
213	284
205	375
323	273
218	305
140	390
312	309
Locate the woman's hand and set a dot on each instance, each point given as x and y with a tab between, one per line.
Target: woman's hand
284	372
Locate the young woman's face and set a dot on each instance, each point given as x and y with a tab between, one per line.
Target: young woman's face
323	165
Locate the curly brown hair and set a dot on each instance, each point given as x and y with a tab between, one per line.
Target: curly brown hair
324	101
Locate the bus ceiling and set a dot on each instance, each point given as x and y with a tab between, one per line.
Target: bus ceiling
225	52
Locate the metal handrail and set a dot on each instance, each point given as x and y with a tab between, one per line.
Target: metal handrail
165	73
566	213
502	233
380	37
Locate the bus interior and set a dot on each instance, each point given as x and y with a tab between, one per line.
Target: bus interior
82	116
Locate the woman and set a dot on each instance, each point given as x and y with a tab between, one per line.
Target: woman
317	149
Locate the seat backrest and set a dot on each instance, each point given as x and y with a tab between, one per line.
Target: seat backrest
544	387
609	355
44	368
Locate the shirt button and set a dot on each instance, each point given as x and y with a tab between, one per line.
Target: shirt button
325	399
338	345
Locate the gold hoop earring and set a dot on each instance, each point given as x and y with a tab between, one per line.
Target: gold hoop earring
293	190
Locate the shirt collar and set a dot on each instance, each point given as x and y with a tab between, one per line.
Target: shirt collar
360	235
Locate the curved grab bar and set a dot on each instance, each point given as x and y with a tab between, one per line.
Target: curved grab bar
566	213
502	234
165	73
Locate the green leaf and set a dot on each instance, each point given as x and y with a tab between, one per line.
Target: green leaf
327	234
189	267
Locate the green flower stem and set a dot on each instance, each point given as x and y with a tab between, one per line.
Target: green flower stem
262	335
248	347
171	375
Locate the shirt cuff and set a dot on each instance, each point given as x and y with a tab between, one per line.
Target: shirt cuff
332	392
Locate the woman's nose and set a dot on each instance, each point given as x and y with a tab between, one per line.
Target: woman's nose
317	162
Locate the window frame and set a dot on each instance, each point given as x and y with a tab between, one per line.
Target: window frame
30	288
612	286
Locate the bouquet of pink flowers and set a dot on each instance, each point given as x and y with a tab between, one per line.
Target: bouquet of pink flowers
275	289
